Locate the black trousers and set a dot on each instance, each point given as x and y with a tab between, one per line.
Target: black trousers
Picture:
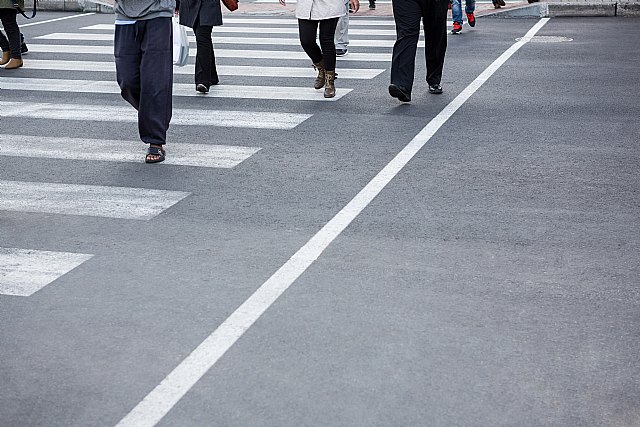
206	72
408	14
10	24
327	49
144	70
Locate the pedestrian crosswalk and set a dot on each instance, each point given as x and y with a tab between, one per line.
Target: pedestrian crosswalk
259	59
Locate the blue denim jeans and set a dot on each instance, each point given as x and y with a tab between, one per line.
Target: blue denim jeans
456	9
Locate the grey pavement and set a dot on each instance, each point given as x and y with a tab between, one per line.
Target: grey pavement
493	282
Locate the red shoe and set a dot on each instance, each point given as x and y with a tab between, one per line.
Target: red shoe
457	27
471	19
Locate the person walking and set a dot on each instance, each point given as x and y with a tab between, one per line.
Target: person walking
342	32
10	44
202	16
407	15
324	14
456	14
144	67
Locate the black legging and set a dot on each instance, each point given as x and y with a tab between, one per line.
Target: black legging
10	24
206	72
327	49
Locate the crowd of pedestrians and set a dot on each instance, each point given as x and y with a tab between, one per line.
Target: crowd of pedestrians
144	61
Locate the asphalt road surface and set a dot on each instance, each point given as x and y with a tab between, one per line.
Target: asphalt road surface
285	268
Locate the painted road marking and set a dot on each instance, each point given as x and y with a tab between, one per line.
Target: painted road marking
218	40
89	200
291	93
182	117
220	53
225	29
355	21
24	272
179	381
200	155
223	70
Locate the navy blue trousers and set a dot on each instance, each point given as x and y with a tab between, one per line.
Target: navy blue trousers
144	70
408	14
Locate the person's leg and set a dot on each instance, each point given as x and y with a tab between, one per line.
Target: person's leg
342	32
470	6
456	11
407	15
127	57
156	80
308	30
435	29
327	30
10	24
204	51
4	43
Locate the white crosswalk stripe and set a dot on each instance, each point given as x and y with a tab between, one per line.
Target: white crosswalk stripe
24	272
220	53
217	40
181	117
184	154
88	200
223	70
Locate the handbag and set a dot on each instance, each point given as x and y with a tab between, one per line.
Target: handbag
230	4
180	44
21	11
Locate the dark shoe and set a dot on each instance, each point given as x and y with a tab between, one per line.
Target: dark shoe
341	52
155	154
496	4
457	27
202	88
471	19
501	3
435	89
23	46
372	4
399	92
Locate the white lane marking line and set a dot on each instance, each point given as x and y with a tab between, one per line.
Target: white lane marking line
223	70
182	117
57	19
220	53
89	200
184	154
291	93
179	381
219	40
24	272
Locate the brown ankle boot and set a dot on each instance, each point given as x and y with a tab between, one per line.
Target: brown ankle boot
319	83
329	88
6	56
13	63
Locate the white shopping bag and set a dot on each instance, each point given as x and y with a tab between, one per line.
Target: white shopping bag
180	44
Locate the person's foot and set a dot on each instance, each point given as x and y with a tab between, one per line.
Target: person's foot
341	52
13	64
399	92
372	4
471	19
155	154
457	27
501	3
496	4
435	89
202	88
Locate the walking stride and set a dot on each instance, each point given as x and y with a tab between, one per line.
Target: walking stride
144	67
408	14
324	14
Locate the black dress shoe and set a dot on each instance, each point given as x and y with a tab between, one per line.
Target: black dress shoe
399	92
202	88
436	89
